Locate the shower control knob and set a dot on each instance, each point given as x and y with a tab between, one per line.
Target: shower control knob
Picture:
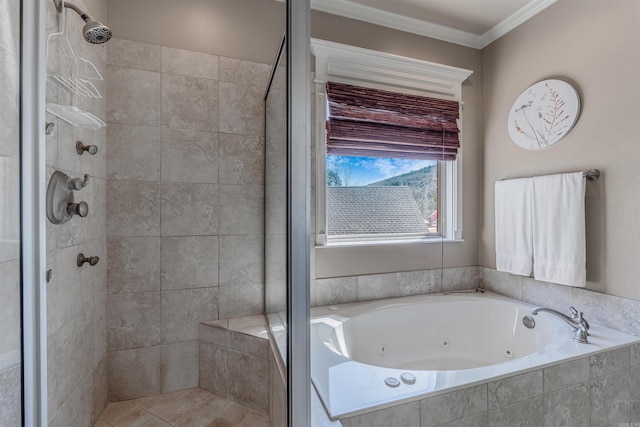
81	148
81	209
81	259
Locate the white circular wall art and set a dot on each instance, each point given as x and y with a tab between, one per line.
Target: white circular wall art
544	114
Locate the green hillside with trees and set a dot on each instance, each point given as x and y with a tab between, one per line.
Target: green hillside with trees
423	184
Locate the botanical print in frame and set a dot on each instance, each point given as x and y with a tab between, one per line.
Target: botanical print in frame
543	114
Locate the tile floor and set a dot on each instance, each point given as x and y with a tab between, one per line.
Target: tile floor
187	408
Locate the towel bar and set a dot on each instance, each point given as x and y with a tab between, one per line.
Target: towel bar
591	174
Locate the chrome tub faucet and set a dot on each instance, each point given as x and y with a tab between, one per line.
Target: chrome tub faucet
577	322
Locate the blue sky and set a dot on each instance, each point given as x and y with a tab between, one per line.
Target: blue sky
365	170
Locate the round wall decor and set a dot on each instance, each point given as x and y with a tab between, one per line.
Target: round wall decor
543	114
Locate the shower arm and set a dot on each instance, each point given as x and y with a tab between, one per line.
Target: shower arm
60	3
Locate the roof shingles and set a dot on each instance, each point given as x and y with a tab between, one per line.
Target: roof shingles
373	210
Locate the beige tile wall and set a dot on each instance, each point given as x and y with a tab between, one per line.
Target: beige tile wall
340	290
76	297
9	215
235	361
185	166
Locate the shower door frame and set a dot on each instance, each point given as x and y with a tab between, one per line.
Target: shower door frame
32	208
298	213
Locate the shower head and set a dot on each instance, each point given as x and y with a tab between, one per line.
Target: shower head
93	31
96	32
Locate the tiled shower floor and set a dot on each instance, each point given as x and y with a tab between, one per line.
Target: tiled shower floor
187	408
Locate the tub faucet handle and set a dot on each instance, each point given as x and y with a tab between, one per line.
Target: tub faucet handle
580	320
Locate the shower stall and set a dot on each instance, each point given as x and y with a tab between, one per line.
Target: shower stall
103	301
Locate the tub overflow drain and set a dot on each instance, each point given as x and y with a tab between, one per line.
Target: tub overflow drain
392	382
509	353
382	349
528	322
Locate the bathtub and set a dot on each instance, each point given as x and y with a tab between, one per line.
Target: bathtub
372	355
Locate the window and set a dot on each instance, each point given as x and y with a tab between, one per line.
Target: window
372	197
379	174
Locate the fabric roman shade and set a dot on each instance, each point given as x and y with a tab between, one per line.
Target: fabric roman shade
378	123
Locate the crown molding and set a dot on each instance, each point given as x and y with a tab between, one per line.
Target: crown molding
398	22
428	29
514	20
354	65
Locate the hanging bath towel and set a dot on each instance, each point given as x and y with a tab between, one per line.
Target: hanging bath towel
514	245
559	248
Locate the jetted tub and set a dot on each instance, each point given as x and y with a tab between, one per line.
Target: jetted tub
444	342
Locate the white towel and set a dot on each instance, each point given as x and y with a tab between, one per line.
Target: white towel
559	248
514	244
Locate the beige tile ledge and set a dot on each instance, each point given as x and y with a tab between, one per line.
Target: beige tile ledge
249	325
247	335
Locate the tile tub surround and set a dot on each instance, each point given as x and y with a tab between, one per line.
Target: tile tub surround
341	290
235	361
350	383
605	391
598	390
185	238
611	311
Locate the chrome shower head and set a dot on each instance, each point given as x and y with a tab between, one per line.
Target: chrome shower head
96	32
93	31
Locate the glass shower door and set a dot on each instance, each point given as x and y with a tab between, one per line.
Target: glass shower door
275	225
10	300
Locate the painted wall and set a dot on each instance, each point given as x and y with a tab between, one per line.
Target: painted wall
97	10
10	347
242	29
76	296
596	46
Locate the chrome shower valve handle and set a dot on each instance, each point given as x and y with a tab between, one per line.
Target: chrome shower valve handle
61	206
81	209
77	183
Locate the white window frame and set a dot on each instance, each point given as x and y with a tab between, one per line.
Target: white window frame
363	67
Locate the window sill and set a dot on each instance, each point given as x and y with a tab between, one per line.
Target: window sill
386	242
